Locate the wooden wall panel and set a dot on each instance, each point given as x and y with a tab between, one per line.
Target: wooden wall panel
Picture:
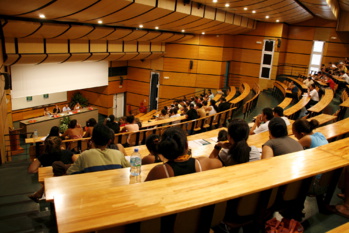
211	40
248	69
248	42
115	46
130	46
98	99
247	55
56	46
172	91
157	64
178	79
337	50
138	74
98	46
227	54
210	53
299	46
179	65
140	64
208	81
10	45
79	46
156	47
143	46
301	33
297	59
182	51
209	67
134	99
26	45
138	87
167	4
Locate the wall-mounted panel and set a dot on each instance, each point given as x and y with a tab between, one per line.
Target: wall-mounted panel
209	67
182	51
178	79
138	74
98	46
180	65
79	46
138	87
26	45
210	53
130	46
247	55
174	92
56	46
299	46
208	81
301	33
143	46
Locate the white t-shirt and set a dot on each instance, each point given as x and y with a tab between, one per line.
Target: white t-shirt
262	128
287	121
345	77
227	160
314	95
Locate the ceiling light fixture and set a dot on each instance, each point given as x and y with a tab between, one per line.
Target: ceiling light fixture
141	26
253	12
157	28
214	1
227	5
183	30
203	33
42	16
245	8
100	21
277	20
267	17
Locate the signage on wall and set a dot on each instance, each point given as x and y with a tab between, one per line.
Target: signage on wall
45	96
29	98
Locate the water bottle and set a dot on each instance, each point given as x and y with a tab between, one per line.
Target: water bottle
35	135
136	163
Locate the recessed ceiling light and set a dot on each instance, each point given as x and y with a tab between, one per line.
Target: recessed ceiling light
253	12
156	27
203	33
227	5
100	21
214	1
183	30
42	16
277	20
141	25
267	17
245	8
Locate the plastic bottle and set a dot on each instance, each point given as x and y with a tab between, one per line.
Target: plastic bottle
136	163
35	135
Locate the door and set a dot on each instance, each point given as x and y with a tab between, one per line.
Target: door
154	90
118	105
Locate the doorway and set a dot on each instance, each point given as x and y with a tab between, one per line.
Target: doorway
119	105
154	90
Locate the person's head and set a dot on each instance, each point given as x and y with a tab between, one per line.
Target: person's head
173	143
101	135
223	99
312	86
45	109
302	127
54	131
91	122
278	111
204	103
52	145
111	118
191	106
209	92
111	137
199	105
267	113
164	112
238	132
222	135
341	72
72	124
277	127
213	102
152	142
130	119
309	78
122	120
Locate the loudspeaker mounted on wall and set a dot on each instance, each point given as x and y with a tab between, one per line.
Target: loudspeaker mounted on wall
191	63
279	43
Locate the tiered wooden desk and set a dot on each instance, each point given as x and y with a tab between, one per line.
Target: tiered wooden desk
231	93
343	108
325	100
242	96
218	95
341	229
105	208
153	123
291	112
323	118
300	84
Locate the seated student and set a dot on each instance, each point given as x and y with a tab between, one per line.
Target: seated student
163	115
294	91
131	126
47	112
56	110
174	147
54	132
303	131
66	108
77	106
236	150
51	154
330	82
74	130
100	157
89	127
308	81
224	105
142	107
265	116
110	122
343	75
279	143
200	109
279	112
192	114
152	142
210	95
113	145
314	96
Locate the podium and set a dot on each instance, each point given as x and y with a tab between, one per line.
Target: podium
14	142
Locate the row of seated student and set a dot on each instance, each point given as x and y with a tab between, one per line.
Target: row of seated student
57	109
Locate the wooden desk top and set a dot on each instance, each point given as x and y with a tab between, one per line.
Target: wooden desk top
345	103
298	106
105	208
338	148
323	118
341	229
284	86
335	129
243	95
160	122
287	101
325	100
231	93
338	79
299	83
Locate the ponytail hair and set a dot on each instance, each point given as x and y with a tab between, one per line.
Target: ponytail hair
173	143
304	126
152	143
239	131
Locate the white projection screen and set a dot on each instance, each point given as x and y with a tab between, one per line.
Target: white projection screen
31	80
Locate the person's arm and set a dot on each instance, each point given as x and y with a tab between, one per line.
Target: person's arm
76	167
217	148
256	124
34	166
121	148
305	141
157	172
149	159
66	133
267	152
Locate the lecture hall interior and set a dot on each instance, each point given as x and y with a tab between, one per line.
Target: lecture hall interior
119	54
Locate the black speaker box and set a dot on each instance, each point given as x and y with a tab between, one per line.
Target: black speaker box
117	71
191	63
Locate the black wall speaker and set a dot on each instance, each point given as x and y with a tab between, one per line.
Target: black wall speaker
191	63
279	43
8	81
117	71
121	80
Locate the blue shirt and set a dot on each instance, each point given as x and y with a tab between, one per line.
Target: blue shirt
317	139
